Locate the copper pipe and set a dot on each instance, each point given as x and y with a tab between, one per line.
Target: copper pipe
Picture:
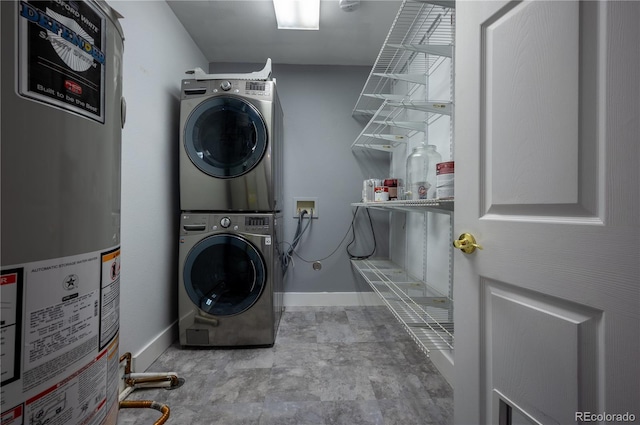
127	366
143	380
148	404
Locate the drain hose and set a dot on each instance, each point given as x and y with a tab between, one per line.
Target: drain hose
148	404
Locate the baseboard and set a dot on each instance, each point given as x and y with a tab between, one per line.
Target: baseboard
443	361
321	299
148	354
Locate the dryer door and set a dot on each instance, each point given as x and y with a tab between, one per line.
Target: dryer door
224	274
225	136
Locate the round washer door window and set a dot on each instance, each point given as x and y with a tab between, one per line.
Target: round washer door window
224	275
225	137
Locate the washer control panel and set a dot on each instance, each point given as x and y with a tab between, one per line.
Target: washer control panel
193	223
259	223
256	223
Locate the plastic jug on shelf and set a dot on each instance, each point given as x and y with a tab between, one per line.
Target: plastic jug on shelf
434	159
417	168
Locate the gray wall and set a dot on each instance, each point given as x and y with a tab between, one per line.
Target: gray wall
318	162
157	52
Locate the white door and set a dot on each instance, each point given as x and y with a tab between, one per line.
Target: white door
547	149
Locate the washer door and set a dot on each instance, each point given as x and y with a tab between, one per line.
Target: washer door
225	137
224	275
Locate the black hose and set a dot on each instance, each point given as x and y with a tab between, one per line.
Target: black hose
286	256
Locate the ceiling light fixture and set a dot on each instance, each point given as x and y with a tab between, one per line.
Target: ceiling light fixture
297	14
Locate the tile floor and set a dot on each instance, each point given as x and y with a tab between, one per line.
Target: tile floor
329	365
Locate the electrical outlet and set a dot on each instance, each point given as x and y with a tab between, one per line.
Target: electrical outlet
309	204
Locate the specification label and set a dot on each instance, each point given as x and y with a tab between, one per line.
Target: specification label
60	323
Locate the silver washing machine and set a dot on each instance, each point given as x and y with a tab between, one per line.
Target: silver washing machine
230	146
230	279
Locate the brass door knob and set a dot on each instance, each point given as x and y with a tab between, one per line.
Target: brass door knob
466	243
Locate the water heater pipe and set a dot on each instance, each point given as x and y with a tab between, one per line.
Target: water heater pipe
148	404
146	380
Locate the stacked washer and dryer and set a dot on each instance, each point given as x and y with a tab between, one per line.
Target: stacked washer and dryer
230	274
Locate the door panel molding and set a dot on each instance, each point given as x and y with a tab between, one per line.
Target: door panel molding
558	355
529	170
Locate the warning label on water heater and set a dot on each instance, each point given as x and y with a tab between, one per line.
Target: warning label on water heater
59	351
109	296
11	324
62	55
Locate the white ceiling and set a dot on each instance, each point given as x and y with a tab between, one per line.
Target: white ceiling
246	31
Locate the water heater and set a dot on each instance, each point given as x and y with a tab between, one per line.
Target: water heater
62	116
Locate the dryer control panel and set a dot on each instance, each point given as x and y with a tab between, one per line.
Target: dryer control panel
259	89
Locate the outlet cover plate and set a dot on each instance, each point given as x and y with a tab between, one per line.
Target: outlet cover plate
301	203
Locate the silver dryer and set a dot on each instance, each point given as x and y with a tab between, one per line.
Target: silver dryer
230	146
